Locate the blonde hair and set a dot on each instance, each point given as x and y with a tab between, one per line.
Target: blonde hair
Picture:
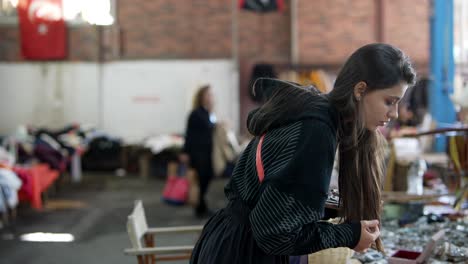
198	97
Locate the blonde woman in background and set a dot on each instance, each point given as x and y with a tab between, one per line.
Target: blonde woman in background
198	148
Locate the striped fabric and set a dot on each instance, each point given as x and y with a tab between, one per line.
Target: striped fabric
285	218
284	226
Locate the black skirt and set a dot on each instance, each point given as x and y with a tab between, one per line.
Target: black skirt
227	238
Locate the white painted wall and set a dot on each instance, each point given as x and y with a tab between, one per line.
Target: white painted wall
47	94
130	99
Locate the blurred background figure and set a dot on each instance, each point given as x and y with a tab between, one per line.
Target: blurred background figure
198	148
460	98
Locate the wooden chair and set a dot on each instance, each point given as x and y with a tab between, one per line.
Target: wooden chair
142	239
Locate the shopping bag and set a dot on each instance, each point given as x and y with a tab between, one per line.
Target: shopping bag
176	190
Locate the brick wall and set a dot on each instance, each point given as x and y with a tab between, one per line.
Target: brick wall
82	42
328	31
199	29
155	29
265	37
175	29
407	26
9	43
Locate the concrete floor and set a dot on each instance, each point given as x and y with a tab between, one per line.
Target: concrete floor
95	213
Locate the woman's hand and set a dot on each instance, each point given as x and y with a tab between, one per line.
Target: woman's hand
369	233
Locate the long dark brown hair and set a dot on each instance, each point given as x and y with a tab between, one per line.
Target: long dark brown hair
282	100
361	160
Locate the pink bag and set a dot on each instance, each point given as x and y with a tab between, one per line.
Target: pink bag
176	189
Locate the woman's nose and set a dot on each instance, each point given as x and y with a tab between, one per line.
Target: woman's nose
393	114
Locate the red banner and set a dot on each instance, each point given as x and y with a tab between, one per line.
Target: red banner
42	29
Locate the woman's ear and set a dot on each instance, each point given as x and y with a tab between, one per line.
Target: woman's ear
359	90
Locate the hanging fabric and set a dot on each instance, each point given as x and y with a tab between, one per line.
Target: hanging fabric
262	6
42	29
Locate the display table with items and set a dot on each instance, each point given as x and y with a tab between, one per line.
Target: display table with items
431	238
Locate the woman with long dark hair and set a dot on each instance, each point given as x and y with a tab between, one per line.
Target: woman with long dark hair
278	189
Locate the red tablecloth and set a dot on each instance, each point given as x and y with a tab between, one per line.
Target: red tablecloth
36	180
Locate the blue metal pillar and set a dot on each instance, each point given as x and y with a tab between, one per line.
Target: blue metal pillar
442	67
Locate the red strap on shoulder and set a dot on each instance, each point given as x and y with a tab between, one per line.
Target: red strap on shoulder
258	160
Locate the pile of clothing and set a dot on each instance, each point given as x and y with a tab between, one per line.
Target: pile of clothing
31	159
